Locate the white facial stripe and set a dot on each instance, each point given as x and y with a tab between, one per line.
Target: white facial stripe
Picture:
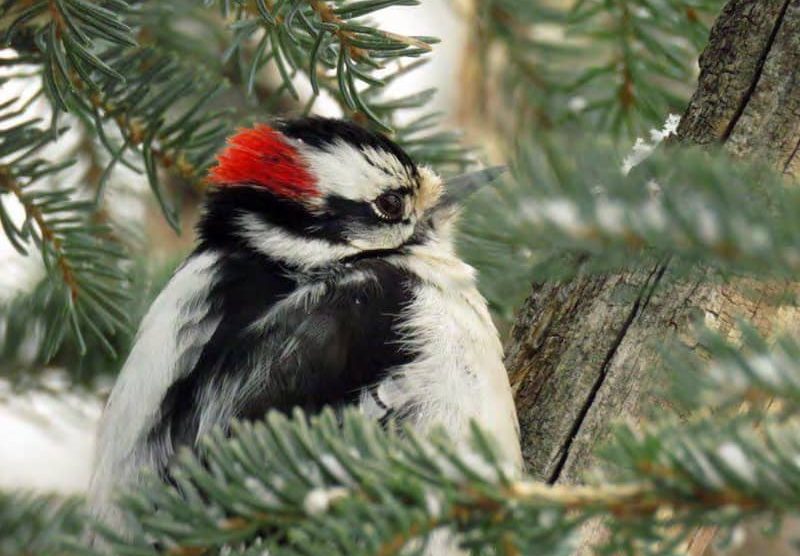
385	237
387	163
304	252
345	170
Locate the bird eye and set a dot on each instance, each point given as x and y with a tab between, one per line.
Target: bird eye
390	205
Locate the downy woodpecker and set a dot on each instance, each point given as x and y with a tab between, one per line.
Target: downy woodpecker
325	274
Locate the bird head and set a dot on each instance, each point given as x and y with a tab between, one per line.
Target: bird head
311	191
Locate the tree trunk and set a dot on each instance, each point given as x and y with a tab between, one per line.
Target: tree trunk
580	354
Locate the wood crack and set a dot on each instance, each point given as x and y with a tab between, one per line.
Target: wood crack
795	154
762	59
641	300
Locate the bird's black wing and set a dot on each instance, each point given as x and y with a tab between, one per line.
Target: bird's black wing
309	345
330	349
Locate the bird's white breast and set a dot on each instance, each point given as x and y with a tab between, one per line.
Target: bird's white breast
459	374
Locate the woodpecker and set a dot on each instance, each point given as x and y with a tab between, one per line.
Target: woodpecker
325	274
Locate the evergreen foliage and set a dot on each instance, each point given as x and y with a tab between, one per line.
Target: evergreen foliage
700	207
340	484
616	66
31	524
156	86
81	260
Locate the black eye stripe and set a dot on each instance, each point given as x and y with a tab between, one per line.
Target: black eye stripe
351	212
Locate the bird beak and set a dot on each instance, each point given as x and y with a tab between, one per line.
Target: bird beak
459	188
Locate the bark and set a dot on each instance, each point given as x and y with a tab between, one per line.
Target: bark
581	352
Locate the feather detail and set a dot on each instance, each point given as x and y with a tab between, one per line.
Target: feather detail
264	157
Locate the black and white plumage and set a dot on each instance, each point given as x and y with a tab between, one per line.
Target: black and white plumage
325	274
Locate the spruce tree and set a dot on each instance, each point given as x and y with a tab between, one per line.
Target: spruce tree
656	358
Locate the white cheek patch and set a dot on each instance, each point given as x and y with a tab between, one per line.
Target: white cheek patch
304	252
381	237
356	174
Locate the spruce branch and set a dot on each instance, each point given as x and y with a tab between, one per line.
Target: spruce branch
753	371
620	67
340	483
36	524
32	321
570	199
347	57
54	243
336	40
92	66
296	485
82	262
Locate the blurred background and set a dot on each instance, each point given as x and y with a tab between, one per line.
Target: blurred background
503	71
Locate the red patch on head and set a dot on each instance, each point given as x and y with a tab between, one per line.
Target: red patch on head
262	156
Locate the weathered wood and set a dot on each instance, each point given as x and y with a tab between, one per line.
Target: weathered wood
748	94
580	355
